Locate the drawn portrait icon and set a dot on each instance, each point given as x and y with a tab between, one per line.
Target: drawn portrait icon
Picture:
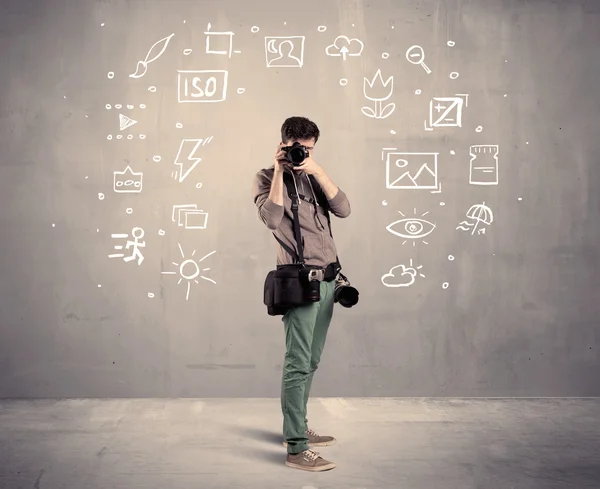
284	52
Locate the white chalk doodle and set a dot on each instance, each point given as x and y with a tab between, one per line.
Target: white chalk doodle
194	271
445	285
202	85
254	29
416	56
137	234
152	89
454	75
322	28
410	171
161	232
378	91
186	158
418	91
477	214
479	129
156	158
241	90
451	257
189	216
187	52
111	75
412	228
446	111
385	55
483	167
155	52
125	122
178	125
199	185
450	43
284	51
150	295
343	47
404	278
127	181
129	210
211	38
100	196
118	106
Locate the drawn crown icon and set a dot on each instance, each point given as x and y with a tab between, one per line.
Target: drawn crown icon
128	170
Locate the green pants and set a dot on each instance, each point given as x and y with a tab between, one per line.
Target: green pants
305	333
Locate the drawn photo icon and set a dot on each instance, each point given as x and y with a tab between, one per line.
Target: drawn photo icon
284	52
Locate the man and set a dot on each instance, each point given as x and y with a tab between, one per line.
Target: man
305	326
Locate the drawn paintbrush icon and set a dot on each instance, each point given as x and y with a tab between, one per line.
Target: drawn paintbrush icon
159	47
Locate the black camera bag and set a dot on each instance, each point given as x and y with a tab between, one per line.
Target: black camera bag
285	286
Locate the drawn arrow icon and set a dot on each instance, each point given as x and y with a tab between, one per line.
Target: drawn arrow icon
344	52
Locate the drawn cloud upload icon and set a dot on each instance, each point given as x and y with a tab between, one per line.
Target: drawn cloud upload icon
343	46
404	279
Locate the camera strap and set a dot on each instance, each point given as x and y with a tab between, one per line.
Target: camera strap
299	257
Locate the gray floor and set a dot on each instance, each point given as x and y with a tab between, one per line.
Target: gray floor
403	443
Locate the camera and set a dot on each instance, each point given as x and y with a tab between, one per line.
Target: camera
296	153
313	278
344	293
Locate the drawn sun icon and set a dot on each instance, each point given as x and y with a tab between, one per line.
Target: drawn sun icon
190	269
412	227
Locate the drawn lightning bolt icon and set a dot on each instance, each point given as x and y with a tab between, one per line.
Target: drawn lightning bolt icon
188	160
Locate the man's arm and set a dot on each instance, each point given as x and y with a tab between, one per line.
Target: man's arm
338	202
268	197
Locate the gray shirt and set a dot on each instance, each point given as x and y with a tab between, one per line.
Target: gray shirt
319	246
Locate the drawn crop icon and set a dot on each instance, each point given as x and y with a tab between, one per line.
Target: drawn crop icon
378	91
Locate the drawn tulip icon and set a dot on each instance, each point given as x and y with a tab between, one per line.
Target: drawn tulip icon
378	90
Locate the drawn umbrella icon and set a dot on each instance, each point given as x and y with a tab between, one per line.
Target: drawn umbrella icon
478	213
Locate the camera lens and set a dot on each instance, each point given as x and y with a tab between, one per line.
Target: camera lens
296	155
347	296
313	292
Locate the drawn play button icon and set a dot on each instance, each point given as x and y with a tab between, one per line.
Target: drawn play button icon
125	122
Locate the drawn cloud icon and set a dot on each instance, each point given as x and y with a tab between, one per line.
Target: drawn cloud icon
343	46
403	279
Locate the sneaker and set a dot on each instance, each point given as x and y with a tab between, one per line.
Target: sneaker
308	460
315	440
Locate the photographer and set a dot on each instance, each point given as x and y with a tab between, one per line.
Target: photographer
305	325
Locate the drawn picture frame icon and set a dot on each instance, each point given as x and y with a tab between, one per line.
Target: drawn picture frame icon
410	171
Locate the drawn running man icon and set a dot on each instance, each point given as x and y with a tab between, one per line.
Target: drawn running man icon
137	234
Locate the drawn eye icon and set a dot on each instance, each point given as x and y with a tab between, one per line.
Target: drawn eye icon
412	228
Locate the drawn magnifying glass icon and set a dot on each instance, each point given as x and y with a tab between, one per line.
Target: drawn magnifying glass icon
416	56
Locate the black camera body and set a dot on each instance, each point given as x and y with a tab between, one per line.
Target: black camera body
296	153
312	278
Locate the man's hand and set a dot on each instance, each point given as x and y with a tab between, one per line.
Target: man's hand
280	162
310	167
